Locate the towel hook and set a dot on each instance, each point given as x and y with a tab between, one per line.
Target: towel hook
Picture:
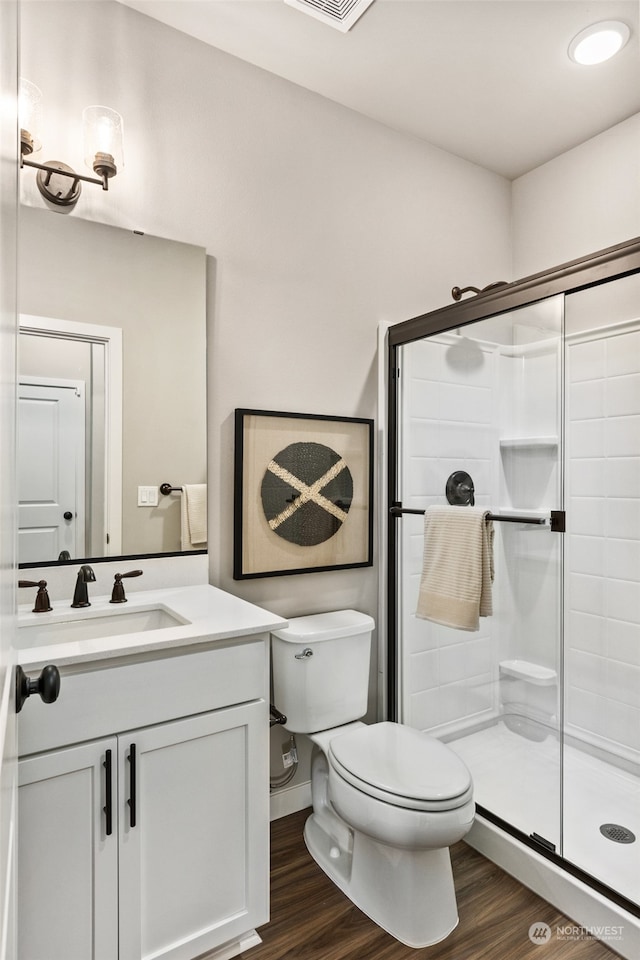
459	490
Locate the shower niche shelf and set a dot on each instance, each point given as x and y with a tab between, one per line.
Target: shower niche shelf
529	472
528	443
531	672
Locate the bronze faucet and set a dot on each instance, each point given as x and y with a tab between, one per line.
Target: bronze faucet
81	593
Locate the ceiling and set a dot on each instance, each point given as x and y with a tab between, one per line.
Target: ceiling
488	80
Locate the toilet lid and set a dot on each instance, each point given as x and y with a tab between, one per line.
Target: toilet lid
403	763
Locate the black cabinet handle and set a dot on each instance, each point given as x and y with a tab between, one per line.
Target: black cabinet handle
47	685
132	785
108	786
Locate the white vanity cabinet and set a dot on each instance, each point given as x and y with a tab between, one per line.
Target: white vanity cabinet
192	869
148	839
67	866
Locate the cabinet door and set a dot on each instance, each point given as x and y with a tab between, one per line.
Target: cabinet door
67	862
194	845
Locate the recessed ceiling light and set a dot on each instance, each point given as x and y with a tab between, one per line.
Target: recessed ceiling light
599	42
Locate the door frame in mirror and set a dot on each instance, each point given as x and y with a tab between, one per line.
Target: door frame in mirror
111	339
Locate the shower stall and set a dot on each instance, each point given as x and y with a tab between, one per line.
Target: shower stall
526	399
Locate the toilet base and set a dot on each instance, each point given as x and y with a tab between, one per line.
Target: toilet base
408	893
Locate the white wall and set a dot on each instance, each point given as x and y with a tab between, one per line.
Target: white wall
318	223
580	202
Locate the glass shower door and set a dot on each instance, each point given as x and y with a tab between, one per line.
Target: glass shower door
485	400
601	782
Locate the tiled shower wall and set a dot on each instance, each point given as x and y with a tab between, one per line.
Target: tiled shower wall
602	642
447	424
460	398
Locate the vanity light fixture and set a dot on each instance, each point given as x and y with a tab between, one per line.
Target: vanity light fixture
56	181
599	42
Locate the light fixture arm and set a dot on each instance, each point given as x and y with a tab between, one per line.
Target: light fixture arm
102	182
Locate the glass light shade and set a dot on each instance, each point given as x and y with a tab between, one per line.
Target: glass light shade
30	115
599	42
102	128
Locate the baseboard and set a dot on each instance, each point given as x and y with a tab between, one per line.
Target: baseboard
593	914
290	800
234	948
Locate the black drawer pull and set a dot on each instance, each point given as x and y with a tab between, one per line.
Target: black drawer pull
132	785
108	786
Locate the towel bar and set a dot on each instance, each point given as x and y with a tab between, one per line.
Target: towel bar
397	511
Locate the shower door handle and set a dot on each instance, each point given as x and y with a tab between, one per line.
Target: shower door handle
558	521
547	844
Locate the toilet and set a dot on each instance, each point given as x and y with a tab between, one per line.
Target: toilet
388	800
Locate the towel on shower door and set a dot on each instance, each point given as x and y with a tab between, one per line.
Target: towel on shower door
457	570
194	516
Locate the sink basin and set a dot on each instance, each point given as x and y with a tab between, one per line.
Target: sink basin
92	627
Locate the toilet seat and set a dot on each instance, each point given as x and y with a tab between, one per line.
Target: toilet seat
401	766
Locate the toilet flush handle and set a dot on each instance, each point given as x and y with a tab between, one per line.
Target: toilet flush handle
306	653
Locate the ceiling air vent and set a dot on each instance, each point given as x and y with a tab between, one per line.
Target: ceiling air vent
341	14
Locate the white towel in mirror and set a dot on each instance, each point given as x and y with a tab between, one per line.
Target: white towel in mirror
193	531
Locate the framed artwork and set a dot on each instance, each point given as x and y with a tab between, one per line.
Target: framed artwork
303	493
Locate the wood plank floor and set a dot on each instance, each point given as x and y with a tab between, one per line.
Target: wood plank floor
312	920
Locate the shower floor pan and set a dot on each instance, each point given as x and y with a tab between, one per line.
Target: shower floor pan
519	780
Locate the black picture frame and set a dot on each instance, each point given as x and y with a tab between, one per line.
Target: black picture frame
303	493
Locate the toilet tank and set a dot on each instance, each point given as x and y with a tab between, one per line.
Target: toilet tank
321	669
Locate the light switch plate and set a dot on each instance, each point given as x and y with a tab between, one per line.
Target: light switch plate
147	496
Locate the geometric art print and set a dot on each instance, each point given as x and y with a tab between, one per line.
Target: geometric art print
306	493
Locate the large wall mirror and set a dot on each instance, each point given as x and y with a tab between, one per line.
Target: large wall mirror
112	391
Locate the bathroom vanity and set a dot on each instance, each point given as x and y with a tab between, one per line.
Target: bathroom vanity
143	790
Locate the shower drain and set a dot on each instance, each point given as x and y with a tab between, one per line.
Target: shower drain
613	831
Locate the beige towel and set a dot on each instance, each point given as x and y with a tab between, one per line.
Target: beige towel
457	570
194	516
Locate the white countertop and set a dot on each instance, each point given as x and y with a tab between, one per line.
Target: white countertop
209	614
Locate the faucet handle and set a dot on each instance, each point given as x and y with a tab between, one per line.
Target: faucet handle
117	595
42	604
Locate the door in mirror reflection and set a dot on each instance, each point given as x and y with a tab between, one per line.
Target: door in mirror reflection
51	452
70	416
